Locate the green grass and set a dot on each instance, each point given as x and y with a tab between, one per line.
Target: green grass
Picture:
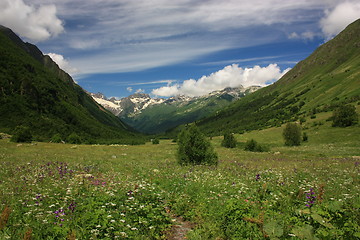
130	189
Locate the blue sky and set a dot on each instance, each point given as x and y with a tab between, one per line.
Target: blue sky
170	47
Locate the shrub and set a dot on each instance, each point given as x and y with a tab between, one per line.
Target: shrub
344	116
74	139
254	146
305	137
22	134
229	141
56	138
292	134
194	148
155	141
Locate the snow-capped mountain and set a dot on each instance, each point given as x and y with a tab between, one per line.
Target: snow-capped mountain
127	106
154	115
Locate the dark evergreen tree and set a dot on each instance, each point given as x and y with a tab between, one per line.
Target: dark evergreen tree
195	148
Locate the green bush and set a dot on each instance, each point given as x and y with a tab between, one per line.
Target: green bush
74	139
56	138
194	148
229	141
155	141
254	146
22	134
305	137
345	116
292	134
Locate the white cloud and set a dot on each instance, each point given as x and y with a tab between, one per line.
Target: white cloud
36	24
139	90
129	89
124	36
339	17
63	63
230	76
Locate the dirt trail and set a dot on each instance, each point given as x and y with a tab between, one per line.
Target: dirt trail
180	228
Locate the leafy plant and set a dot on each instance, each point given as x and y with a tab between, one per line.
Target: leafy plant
155	141
292	134
305	137
56	138
345	116
254	146
22	134
194	148
74	139
229	140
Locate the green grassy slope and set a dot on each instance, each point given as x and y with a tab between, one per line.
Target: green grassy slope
39	95
327	78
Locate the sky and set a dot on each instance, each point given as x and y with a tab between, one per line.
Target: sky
176	47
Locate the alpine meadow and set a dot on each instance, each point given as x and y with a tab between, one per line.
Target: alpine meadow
279	160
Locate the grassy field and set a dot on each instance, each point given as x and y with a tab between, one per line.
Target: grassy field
62	191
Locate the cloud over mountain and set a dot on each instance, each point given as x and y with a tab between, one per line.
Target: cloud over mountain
339	17
36	24
229	76
63	63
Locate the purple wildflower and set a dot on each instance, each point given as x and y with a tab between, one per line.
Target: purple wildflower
310	198
257	177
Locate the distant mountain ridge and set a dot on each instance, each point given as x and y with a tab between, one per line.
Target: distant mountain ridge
155	115
37	94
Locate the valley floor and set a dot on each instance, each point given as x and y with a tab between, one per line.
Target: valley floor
61	191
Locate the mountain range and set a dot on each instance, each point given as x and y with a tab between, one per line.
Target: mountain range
35	93
157	115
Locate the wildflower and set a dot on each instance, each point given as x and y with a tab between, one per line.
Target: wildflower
311	198
257	177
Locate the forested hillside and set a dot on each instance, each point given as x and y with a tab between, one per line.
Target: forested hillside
35	93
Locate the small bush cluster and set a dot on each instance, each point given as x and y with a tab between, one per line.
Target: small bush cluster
22	134
74	139
254	146
56	138
195	148
345	116
155	141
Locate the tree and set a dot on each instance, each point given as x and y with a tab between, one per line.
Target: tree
292	134
56	138
194	148
155	141
22	134
229	140
74	139
345	116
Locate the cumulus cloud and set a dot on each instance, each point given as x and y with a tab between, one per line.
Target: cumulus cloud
339	17
36	24
129	89
63	63
139	90
229	76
